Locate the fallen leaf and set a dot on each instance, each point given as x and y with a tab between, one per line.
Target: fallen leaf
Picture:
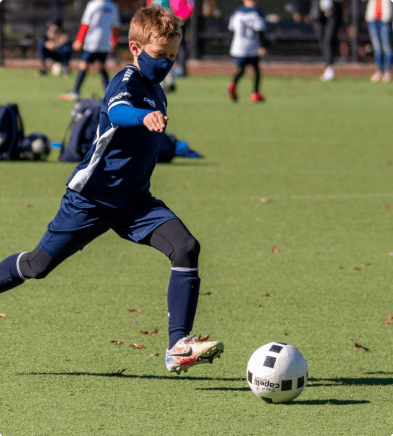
27	206
267	294
145	332
341	267
265	200
286	334
356	268
137	346
389	206
366	264
205	338
2	315
65	359
389	320
117	342
133	310
389	162
153	355
274	249
357	346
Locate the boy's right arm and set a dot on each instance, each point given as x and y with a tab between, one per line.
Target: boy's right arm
124	115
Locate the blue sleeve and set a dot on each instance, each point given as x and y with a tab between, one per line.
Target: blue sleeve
124	115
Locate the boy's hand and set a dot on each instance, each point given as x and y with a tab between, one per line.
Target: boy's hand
262	51
155	121
77	45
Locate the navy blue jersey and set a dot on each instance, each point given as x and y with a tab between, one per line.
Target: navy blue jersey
119	165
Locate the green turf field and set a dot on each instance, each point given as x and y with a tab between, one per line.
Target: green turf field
320	154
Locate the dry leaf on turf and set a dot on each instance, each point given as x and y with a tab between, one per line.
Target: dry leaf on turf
137	346
267	294
143	332
133	310
153	355
2	315
205	338
274	249
117	342
154	332
389	320
65	359
357	346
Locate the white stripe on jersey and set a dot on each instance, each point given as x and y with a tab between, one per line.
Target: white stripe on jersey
82	176
129	72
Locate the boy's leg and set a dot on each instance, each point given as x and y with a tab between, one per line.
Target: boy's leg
101	58
148	221
76	224
241	65
10	275
174	240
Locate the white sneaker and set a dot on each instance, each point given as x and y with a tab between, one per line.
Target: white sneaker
387	77
328	74
190	351
376	77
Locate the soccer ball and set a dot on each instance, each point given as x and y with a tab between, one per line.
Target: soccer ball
56	69
36	146
277	372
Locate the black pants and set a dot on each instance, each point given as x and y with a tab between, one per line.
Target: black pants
326	31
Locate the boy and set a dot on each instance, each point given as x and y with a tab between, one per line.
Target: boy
99	30
109	189
247	23
56	46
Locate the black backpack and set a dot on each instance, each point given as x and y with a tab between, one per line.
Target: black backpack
11	132
83	127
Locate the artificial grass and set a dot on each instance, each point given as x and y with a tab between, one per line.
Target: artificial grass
319	155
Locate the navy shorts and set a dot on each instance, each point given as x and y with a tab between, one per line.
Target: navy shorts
91	57
242	62
79	221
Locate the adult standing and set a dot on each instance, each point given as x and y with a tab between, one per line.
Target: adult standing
379	23
326	16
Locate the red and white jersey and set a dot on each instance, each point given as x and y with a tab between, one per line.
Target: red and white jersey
379	10
101	17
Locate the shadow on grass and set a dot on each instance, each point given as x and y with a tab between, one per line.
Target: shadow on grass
361	381
331	402
121	374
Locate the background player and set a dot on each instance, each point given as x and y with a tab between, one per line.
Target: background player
248	25
109	189
56	46
99	30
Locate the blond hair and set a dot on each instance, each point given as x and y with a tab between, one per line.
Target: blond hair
154	23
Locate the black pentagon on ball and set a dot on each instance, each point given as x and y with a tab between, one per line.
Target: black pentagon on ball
269	361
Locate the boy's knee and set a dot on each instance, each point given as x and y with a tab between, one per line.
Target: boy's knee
187	253
35	265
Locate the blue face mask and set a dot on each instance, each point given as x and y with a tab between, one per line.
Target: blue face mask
154	69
